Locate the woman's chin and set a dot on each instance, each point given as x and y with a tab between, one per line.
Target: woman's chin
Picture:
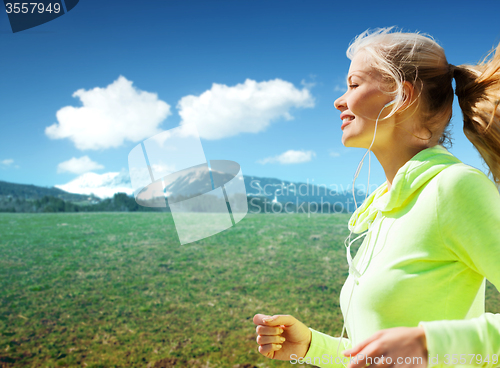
348	141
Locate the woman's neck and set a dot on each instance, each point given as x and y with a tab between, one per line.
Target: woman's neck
393	159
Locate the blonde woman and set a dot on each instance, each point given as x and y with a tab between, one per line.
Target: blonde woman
415	292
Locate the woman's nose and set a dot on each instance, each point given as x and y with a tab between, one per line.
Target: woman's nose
340	103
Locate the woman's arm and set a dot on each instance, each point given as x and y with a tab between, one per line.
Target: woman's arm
468	209
323	351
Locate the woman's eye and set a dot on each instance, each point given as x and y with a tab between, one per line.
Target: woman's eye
353	85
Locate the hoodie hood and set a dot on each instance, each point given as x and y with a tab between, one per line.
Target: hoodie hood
410	177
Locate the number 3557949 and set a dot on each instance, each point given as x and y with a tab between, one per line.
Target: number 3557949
25	8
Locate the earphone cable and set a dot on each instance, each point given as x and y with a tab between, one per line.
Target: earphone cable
352	268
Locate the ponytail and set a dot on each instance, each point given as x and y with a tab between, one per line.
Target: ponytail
478	92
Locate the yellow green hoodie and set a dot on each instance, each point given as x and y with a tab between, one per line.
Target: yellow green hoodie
432	241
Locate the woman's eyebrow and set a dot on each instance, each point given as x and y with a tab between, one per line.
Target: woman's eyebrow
348	79
358	74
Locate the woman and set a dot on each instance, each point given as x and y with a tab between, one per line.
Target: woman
415	291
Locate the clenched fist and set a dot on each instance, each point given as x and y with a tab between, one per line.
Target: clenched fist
281	336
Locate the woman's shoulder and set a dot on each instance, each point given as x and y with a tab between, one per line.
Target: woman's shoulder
468	213
464	182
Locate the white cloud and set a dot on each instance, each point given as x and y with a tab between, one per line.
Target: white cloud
290	157
250	107
109	116
334	154
102	185
8	163
309	85
78	165
339	88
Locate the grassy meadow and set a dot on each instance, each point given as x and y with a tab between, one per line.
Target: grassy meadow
118	289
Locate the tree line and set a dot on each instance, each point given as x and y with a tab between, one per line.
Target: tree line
121	202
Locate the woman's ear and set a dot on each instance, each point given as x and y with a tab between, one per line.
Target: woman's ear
408	95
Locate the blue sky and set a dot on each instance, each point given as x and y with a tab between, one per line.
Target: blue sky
288	56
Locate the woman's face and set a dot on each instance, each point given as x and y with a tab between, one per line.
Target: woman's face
361	105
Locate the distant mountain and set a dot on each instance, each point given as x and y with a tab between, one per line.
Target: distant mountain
32	192
266	190
101	185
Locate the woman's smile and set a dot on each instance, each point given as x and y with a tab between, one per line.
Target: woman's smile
346	119
346	122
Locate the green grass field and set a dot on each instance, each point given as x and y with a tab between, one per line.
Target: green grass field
118	289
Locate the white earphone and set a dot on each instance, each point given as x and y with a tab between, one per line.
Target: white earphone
352	269
390	103
360	165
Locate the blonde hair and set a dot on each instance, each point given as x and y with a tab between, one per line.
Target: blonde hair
419	59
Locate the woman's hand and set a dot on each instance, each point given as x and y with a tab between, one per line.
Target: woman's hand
281	336
391	347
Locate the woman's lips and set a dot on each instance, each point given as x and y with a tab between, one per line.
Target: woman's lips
345	123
